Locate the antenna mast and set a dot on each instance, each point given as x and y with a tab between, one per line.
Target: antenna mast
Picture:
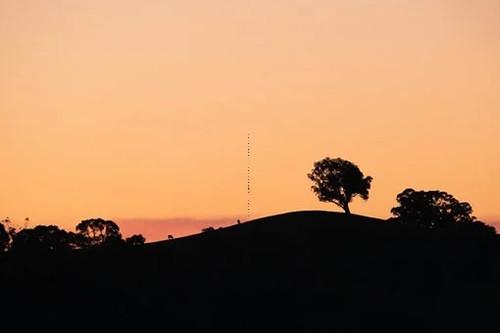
248	176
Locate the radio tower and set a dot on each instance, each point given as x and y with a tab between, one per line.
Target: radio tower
248	176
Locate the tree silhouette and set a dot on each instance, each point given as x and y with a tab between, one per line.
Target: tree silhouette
94	232
4	238
42	238
339	181
135	240
435	210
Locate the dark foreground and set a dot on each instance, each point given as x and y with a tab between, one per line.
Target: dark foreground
297	272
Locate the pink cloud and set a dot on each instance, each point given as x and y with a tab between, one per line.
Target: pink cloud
155	229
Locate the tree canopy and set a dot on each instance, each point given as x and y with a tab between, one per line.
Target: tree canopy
435	210
98	232
339	181
43	238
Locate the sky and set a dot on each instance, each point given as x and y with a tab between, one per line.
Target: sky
139	111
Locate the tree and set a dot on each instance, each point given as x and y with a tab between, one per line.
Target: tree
436	210
42	238
94	232
135	240
4	238
339	181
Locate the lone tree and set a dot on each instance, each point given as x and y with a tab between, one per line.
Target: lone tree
339	181
436	210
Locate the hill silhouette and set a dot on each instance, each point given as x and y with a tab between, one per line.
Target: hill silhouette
308	271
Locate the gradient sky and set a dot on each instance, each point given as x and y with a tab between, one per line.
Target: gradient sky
139	111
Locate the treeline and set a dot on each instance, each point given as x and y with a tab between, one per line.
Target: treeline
91	233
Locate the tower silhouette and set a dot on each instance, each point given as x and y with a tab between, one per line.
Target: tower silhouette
248	177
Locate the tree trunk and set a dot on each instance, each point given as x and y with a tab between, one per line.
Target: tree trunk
347	210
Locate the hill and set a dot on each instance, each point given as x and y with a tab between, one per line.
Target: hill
309	271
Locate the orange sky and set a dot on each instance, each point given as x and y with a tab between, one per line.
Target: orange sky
139	110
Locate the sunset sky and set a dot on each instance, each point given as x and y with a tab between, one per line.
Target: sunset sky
138	111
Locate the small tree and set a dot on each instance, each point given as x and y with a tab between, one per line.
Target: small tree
339	181
135	240
97	231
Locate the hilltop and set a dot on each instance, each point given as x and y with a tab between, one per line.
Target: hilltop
308	271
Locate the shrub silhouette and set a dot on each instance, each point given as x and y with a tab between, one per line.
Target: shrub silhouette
135	240
436	210
339	181
94	232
